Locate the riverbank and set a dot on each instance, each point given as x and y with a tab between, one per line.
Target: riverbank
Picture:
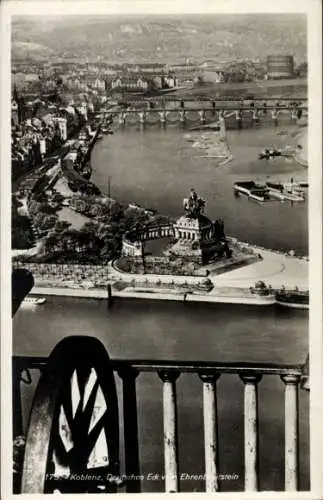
276	270
141	293
167	295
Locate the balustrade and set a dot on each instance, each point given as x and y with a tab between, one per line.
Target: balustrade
209	373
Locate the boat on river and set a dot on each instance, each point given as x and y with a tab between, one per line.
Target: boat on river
106	130
266	153
33	301
269	153
294	299
286	191
253	190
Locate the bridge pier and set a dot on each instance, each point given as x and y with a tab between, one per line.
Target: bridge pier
255	116
182	116
202	116
142	117
162	117
122	119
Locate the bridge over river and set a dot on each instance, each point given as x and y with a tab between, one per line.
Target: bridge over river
242	113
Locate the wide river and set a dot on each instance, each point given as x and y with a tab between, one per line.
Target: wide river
156	168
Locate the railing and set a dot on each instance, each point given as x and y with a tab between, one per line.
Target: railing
209	373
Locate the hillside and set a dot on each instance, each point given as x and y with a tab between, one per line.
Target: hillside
165	39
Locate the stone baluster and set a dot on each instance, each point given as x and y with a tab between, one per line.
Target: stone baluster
251	430
210	431
291	431
170	431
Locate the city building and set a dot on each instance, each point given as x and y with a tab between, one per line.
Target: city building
62	124
129	83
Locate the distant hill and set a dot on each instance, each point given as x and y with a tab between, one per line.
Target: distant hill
29	50
162	38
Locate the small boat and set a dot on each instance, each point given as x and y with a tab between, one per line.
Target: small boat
106	130
35	301
269	153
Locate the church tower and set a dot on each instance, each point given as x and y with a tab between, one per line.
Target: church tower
16	107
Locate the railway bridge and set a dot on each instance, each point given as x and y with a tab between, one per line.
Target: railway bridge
234	113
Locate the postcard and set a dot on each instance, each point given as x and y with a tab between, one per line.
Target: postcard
161	275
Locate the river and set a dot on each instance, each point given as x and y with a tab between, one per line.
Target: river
156	169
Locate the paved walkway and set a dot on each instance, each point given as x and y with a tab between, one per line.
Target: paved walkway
275	269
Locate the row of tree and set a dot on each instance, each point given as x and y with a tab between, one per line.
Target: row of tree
22	236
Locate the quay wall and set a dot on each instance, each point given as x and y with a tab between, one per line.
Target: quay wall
156	295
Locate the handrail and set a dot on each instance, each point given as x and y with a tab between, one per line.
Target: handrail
150	365
245	107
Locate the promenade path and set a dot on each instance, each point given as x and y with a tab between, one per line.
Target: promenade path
275	269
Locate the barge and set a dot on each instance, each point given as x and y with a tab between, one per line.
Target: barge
266	154
255	191
295	299
271	190
286	191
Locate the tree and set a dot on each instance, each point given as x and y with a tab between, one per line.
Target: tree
48	222
89	228
51	243
60	226
39	219
22	236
